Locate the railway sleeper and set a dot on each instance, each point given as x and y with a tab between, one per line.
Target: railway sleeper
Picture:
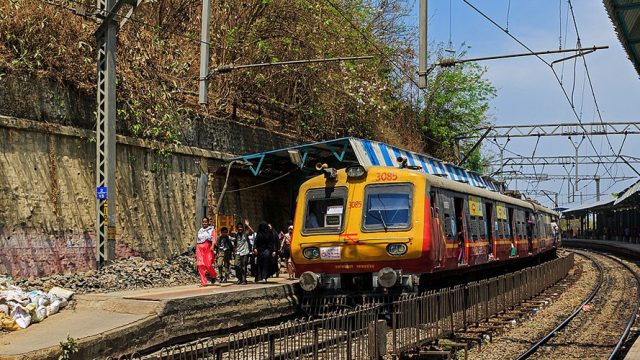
468	339
431	354
455	346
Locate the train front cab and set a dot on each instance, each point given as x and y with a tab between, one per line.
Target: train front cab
361	232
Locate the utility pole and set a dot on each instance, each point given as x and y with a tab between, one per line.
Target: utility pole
423	40
577	162
597	180
203	97
577	179
108	12
501	164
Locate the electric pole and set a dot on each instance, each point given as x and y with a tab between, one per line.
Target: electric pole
423	44
203	88
108	13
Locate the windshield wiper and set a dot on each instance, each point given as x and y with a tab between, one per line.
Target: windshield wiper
382	219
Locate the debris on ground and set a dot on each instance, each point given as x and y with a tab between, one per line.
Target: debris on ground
124	274
19	309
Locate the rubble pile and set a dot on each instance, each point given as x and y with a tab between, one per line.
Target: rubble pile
131	273
19	309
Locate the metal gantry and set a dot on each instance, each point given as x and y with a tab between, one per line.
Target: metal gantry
108	16
562	129
548	177
566	160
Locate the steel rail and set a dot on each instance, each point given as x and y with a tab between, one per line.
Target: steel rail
632	319
575	312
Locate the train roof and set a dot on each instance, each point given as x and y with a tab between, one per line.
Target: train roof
461	187
448	184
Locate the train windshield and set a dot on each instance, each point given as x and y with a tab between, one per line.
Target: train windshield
387	207
325	210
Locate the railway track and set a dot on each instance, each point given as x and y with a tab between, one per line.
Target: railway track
599	326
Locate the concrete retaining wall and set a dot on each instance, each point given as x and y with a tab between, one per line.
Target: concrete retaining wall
47	189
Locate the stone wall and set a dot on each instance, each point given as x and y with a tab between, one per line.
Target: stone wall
47	197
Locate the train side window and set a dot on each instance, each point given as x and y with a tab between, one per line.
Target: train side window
387	207
324	212
447	226
448	216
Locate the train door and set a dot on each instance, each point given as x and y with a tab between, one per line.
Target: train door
528	222
438	241
446	211
490	229
512	232
458	204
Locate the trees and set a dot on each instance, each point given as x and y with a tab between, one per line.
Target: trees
158	60
457	102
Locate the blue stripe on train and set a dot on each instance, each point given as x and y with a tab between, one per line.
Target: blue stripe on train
372	155
385	154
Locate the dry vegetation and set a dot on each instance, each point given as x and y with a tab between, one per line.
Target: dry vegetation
158	61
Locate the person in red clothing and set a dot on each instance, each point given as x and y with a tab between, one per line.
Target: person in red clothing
204	251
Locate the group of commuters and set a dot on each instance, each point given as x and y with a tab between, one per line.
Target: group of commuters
257	253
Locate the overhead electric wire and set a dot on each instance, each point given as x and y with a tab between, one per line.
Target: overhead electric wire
544	61
586	68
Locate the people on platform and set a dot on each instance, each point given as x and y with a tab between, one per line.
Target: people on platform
205	241
265	249
224	250
243	245
285	252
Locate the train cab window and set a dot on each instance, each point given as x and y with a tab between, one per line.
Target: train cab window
387	207
325	210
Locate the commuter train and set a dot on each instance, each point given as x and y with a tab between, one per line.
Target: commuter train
382	228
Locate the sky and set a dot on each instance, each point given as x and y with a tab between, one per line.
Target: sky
527	91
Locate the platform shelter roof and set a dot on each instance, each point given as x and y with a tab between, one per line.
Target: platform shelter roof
588	207
625	16
343	152
629	195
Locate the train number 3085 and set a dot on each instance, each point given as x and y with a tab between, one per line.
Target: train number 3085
387	176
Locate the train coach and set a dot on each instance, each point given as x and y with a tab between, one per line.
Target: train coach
382	228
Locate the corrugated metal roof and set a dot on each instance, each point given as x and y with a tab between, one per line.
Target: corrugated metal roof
589	206
344	151
625	15
628	193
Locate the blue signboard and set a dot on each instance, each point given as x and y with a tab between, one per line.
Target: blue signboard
101	192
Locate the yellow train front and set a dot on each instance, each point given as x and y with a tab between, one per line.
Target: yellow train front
361	229
384	227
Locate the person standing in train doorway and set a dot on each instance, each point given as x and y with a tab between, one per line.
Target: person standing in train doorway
460	236
530	225
554	231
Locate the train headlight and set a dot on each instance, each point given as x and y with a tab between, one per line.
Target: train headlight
356	171
311	253
387	277
309	281
396	249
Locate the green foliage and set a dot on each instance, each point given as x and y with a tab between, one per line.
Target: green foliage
68	347
158	65
457	103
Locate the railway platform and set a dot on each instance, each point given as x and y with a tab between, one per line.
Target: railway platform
142	319
618	247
